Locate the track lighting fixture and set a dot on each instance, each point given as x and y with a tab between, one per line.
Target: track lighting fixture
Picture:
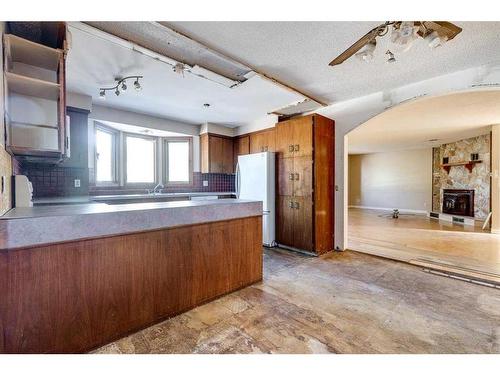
120	85
137	85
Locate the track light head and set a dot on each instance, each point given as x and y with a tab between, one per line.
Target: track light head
137	85
102	94
124	86
117	92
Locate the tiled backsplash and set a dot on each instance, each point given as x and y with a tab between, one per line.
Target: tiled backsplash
219	182
54	180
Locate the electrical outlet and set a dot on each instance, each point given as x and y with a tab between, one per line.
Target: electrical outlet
205	183
77	183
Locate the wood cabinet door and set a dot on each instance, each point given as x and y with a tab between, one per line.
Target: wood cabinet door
285	176
256	142
270	140
303	223
284	221
241	146
227	155
302	176
302	136
284	139
216	150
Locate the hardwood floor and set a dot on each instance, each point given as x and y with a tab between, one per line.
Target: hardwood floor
345	302
462	250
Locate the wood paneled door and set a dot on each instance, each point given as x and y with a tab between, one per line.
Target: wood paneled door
305	183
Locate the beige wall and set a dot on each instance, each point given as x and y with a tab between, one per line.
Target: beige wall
495	179
400	180
5	159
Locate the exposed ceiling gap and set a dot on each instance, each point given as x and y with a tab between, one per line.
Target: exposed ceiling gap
276	81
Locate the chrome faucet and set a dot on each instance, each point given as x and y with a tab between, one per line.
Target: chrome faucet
159	186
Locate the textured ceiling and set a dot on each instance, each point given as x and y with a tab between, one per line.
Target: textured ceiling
298	54
94	62
411	125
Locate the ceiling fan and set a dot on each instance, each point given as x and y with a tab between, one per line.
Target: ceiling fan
403	34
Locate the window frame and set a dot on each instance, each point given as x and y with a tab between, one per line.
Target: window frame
145	185
165	155
114	154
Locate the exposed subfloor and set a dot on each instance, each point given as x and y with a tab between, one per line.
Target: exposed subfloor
464	250
340	303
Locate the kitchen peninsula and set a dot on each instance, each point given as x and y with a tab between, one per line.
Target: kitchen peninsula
75	277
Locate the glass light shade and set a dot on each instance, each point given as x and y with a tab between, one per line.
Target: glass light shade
403	37
434	40
367	52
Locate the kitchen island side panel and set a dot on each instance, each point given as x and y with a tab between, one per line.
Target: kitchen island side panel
75	296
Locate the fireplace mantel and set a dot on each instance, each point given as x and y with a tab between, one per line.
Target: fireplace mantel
467	164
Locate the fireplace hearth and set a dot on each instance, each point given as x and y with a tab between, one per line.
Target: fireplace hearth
458	202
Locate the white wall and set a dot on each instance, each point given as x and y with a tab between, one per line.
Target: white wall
388	180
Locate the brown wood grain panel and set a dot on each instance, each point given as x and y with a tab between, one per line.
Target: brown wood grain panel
227	155
205	155
241	146
303	176
303	234
302	136
284	221
284	139
75	296
324	183
284	176
270	140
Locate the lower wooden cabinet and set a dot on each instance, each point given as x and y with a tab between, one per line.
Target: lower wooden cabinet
295	222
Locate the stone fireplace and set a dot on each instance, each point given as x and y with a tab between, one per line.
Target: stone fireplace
458	202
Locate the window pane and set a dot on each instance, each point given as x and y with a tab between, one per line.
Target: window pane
140	160
104	156
178	161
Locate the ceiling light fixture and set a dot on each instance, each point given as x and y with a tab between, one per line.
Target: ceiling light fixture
402	37
120	84
434	40
391	58
367	52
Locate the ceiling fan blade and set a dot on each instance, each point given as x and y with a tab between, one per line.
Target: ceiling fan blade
355	47
443	28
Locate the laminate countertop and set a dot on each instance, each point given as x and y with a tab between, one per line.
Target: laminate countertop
34	226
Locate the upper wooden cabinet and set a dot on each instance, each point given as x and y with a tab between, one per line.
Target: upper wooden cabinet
305	183
216	154
262	141
241	146
294	137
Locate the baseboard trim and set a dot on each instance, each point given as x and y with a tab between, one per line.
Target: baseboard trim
495	231
401	210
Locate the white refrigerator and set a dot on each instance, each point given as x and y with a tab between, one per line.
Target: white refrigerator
255	180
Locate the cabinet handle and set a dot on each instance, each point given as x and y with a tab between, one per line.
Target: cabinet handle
291	176
290	148
296	176
297	205
296	148
291	204
266	148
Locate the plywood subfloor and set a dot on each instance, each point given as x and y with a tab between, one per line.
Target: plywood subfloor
339	303
417	239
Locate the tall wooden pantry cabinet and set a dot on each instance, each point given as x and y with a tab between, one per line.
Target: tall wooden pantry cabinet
305	183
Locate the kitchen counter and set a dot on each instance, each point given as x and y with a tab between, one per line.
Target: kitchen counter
35	226
100	198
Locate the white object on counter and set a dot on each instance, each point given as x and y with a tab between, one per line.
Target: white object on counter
255	176
23	191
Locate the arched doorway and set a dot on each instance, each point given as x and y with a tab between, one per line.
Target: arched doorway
420	157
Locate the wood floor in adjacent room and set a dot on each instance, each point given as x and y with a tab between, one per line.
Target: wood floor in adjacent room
463	250
340	303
